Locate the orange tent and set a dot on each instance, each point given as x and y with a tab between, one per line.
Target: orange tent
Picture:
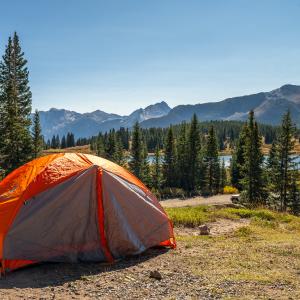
77	207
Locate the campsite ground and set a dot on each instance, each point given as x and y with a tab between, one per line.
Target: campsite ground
248	255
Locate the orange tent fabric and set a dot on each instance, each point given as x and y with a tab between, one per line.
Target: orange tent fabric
77	207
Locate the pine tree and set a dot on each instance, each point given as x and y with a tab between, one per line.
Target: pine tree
286	144
182	158
63	143
253	185
53	142
118	156
110	148
15	105
72	140
48	144
37	137
145	167
57	142
100	149
223	176
136	151
193	153
273	176
157	176
212	164
238	159
294	195
169	165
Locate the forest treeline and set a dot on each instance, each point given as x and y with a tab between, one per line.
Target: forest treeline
227	133
186	156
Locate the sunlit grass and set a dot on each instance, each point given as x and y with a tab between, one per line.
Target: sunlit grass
197	215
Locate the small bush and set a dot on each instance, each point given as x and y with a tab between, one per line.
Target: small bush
244	231
264	223
230	190
189	216
246	213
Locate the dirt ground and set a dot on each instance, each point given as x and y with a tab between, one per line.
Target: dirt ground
213	200
237	260
202	267
127	279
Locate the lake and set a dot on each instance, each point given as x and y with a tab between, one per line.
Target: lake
227	159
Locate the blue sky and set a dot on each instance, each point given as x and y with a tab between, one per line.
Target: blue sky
120	55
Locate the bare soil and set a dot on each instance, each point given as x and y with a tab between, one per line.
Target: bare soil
213	200
230	263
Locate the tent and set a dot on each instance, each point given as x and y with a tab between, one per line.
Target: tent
72	207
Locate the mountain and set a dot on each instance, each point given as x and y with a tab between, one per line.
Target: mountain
61	121
268	107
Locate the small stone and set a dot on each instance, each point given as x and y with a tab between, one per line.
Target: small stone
204	230
156	275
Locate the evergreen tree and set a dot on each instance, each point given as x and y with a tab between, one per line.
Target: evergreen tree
124	136
253	186
118	156
212	164
100	149
53	142
273	176
136	151
238	159
145	167
193	153
72	140
57	142
110	148
285	148
169	165
157	176
294	195
183	158
223	176
48	145
37	137
63	143
15	106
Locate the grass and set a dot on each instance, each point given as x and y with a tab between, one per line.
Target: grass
261	260
197	215
78	149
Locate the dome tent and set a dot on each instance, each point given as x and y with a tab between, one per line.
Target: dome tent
73	207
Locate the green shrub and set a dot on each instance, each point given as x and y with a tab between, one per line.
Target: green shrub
189	216
244	231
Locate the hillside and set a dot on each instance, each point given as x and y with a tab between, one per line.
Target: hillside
268	107
61	121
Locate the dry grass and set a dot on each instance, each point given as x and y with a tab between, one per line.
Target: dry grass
261	260
192	216
80	149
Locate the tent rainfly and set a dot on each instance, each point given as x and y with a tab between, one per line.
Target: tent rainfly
73	207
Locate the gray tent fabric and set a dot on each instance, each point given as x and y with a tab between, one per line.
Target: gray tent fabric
60	224
132	222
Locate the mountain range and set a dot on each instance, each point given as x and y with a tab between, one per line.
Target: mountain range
268	107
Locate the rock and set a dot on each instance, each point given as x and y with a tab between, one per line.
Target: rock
204	230
156	275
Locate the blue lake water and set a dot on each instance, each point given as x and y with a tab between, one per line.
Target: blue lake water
227	159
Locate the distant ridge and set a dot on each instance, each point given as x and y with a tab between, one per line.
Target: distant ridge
268	107
61	121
